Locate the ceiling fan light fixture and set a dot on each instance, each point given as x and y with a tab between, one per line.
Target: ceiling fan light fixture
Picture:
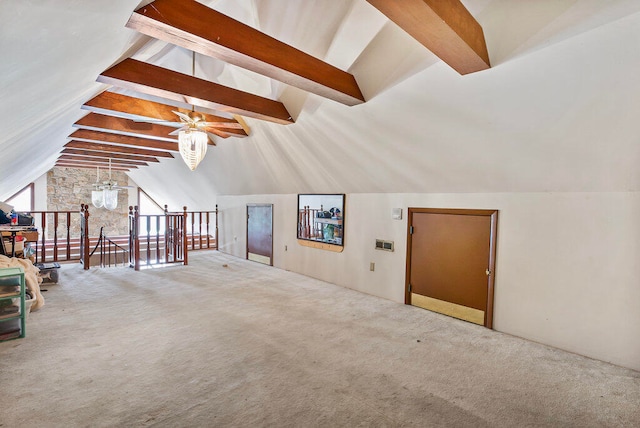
193	146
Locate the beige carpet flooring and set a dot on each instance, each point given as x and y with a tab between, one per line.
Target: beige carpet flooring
250	346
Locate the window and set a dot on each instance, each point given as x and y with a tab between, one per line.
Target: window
149	210
23	200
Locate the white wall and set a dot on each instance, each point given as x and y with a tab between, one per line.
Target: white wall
567	270
40	193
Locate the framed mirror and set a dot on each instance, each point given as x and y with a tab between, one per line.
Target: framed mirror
321	218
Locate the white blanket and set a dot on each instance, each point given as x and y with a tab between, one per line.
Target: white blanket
31	277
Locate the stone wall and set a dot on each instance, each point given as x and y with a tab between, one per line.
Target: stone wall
67	188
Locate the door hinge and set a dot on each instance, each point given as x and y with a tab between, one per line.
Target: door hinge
488	272
410	230
409	288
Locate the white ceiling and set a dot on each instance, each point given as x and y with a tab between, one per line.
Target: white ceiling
558	111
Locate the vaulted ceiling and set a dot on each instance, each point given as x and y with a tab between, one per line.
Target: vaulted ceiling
325	96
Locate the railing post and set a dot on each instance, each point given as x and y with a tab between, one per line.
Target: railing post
130	218
55	235
157	238
199	230
217	239
43	225
193	224
168	240
85	237
136	223
208	235
69	235
185	244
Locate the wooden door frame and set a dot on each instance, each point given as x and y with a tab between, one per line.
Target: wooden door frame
246	253
493	214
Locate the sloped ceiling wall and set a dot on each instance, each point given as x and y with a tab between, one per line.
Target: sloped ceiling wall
557	112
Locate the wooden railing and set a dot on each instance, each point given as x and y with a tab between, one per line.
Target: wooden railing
152	239
110	250
199	227
63	235
163	236
156	239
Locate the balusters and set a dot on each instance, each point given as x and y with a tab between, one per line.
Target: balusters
68	236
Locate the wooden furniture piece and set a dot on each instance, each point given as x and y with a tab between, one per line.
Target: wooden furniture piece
30	234
12	317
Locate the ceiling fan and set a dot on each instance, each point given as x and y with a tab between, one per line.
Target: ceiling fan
195	121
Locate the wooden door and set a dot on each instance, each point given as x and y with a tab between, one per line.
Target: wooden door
260	233
450	262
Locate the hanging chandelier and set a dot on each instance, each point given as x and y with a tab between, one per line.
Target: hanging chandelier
192	143
97	194
97	198
105	194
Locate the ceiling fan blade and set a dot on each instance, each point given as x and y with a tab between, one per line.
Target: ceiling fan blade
152	121
184	127
183	116
211	138
243	123
217	132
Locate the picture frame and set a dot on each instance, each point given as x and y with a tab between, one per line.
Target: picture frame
321	218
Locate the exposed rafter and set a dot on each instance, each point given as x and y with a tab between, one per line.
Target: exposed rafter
445	27
112	148
196	27
114	104
107	156
181	88
118	125
90	159
105	137
74	164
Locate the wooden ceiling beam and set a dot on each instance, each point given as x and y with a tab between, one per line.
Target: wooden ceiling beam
199	28
73	164
181	88
105	137
118	125
91	159
114	104
445	27
111	148
137	110
108	156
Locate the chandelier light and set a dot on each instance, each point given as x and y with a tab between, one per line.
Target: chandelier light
193	146
97	198
110	198
192	141
105	194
